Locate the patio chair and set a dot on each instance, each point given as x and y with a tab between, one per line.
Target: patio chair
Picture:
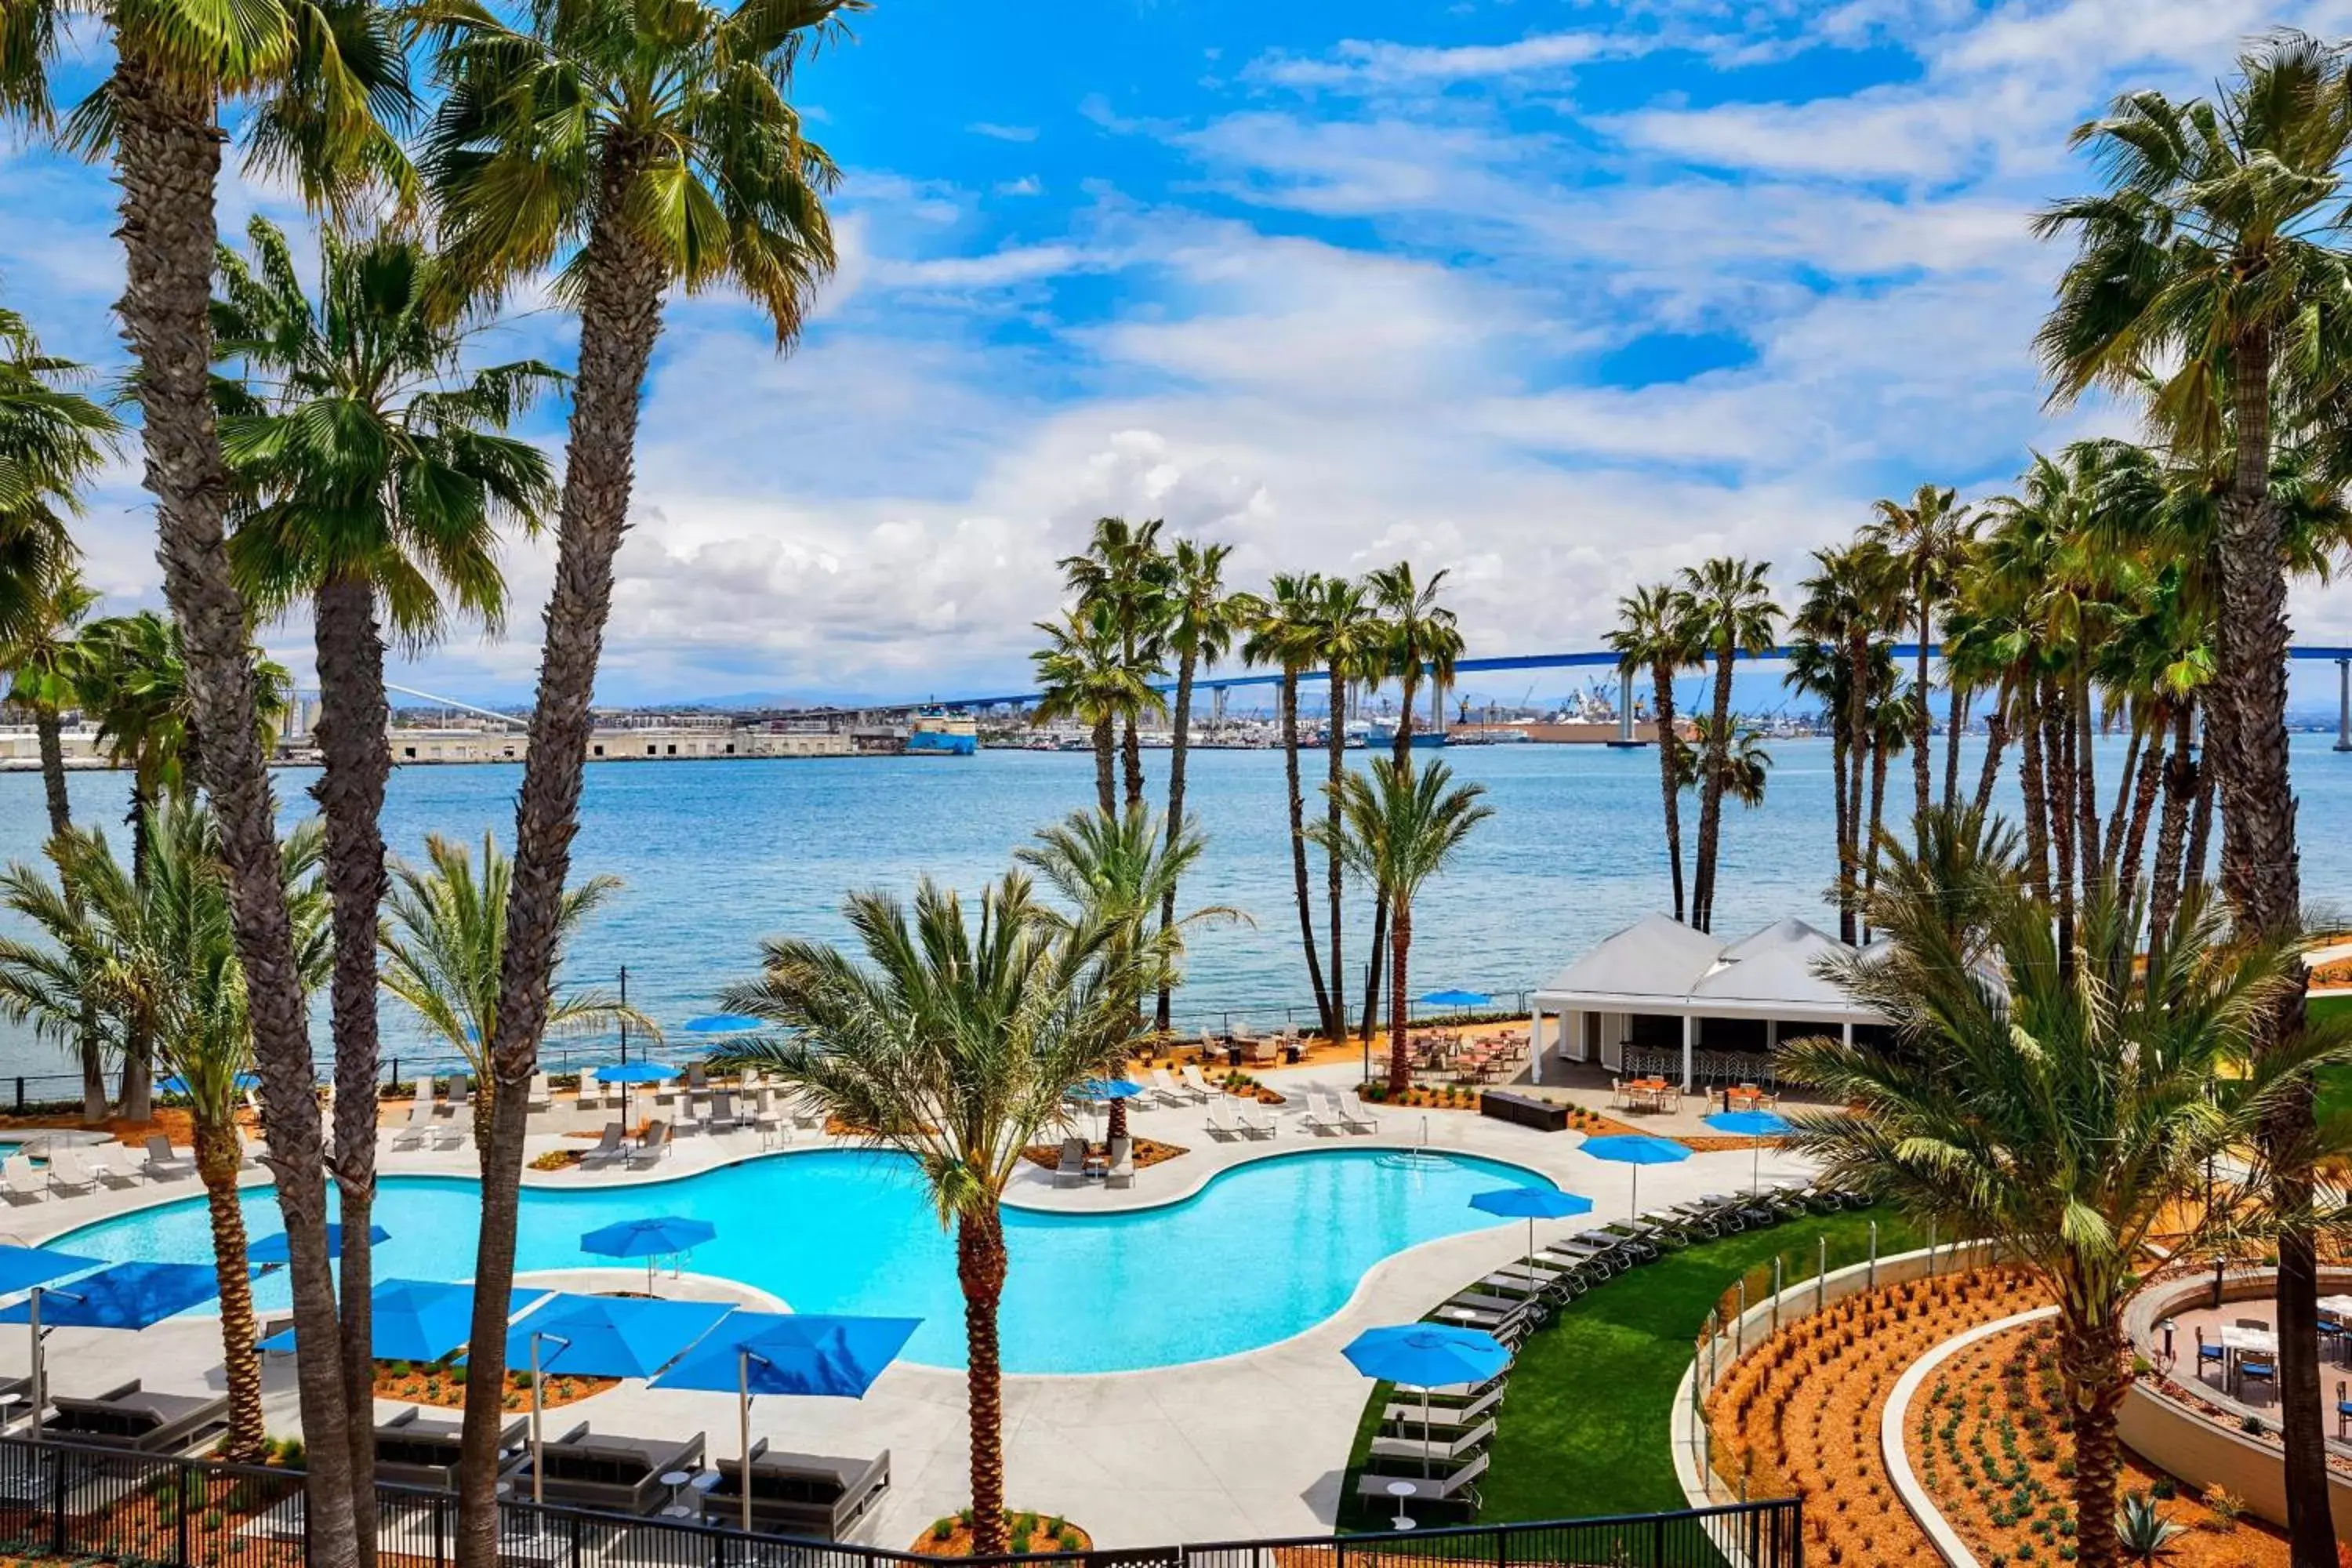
102	1165
811	1495
2211	1355
1264	1051
2343	1410
461	1090
651	1146
413	1449
2256	1372
1250	1123
163	1163
1404	1414
67	1174
722	1112
1218	1125
614	1145
1316	1118
807	1112
587	1096
1434	1449
697	1079
1457	1489
1357	1120
769	1122
20	1181
130	1418
1166	1091
539	1096
1202	1088
1120	1170
413	1133
1072	1170
613	1474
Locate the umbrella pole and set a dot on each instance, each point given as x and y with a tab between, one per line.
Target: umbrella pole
32	1319
537	1434
1636	1210
1756	1172
1425	1433
743	1417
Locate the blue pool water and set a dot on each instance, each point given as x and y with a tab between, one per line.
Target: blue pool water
1264	1251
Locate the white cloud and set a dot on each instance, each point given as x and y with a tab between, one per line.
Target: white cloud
1357	63
992	129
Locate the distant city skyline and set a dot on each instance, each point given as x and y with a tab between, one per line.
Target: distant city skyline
1558	298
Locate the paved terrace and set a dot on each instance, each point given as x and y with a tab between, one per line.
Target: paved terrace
1249	1445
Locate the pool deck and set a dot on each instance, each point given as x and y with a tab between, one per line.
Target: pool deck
1248	1445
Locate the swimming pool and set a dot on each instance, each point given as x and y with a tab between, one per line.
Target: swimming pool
1265	1250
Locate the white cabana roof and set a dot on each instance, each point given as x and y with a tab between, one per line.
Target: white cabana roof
1658	965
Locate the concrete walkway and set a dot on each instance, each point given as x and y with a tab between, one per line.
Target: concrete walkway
1249	1445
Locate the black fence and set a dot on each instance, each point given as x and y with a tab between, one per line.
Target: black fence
73	1502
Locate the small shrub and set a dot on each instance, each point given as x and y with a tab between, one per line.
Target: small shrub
2225	1506
2164	1488
944	1528
2251	1425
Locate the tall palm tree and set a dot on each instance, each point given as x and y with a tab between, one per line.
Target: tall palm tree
1653	637
378	475
1117	870
954	1043
1399	827
159	956
1282	633
321	71
1202	622
444	936
631	148
1348	639
1418	635
1732	613
1083	674
1927	540
1124	578
2064	1111
52	440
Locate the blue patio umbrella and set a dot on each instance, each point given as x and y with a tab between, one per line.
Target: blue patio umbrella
22	1268
1455	999
272	1249
1637	1150
421	1320
796	1353
627	1073
125	1296
1104	1088
1751	1124
655	1236
1531	1204
723	1023
173	1083
1427	1356
602	1336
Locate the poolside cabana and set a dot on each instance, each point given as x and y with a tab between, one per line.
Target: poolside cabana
1660	995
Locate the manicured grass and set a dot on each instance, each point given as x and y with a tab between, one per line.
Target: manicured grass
1583	1429
2334	1083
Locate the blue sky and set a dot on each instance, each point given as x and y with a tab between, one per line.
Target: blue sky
1559	296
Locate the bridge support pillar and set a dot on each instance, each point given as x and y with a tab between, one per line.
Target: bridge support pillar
1625	707
2344	704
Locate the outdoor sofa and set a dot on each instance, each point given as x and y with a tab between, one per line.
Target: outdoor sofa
129	1417
617	1475
814	1495
414	1449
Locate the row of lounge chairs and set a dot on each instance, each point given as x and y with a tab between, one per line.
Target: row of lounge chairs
127	1417
73	1170
1444	1454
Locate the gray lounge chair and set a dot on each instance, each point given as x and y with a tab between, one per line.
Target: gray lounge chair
814	1495
129	1417
1435	1449
1072	1171
1458	1489
651	1146
163	1163
414	1449
617	1475
614	1145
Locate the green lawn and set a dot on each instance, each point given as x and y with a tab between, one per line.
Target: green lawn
2334	1083
1583	1430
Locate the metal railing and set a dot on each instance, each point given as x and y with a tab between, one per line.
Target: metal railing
71	1500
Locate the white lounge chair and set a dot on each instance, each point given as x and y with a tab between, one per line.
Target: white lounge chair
67	1172
19	1180
413	1133
1220	1126
539	1097
1248	1124
461	1089
1201	1087
767	1121
587	1096
1120	1172
163	1163
1319	1116
102	1165
1357	1121
456	1135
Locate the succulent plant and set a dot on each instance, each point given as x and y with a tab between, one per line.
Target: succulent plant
2143	1530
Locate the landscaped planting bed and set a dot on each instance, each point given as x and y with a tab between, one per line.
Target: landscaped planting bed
1988	1438
1800	1413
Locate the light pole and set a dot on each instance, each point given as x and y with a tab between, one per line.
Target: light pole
744	1356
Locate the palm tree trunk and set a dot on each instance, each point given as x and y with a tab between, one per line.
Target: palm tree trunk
2033	783
1106	768
1662	701
1956	724
2263	884
2083	757
1131	755
1179	746
2091	1368
980	1270
2111	841
49	727
1377	948
1922	797
1878	761
2143	807
1996	738
1400	1052
357	762
2172	825
1858	748
1845	867
620	318
1710	796
217	1159
1335	745
2195	858
1299	852
2057	733
167	156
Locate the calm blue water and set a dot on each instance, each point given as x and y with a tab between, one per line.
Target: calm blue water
1263	1252
717	854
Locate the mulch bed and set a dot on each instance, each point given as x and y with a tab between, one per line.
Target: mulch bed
1418	1097
559	1160
442	1384
1988	1441
1147	1153
952	1536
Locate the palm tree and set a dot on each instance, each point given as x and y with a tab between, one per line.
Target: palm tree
1348	639
2064	1111
1927	541
1419	634
52	440
1123	578
158	957
1116	870
1282	633
378	475
1652	636
443	938
1083	676
321	70
1731	613
954	1043
1203	621
1400	827
630	149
